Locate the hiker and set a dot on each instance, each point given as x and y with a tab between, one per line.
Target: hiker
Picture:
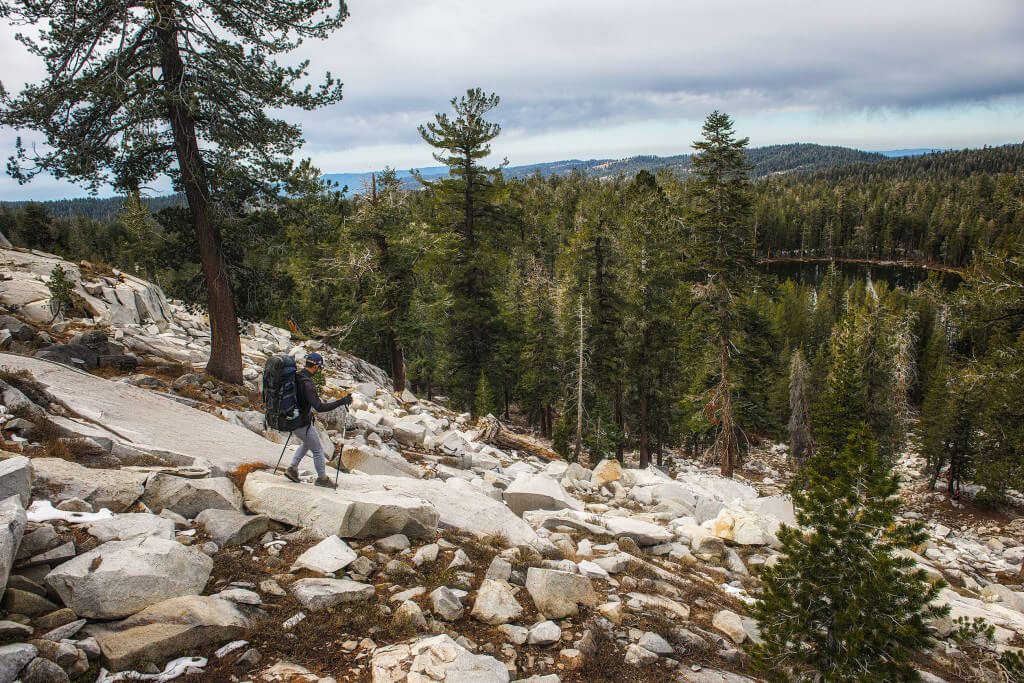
309	401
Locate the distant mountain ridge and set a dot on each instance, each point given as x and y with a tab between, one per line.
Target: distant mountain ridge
799	157
795	157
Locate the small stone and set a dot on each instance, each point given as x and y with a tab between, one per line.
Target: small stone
495	603
612	611
393	544
22	602
41	670
445	604
66	631
90	646
271	587
544	633
500	569
74	505
326	557
317	594
461	559
55	619
408	594
730	624
363	566
638	656
12	630
292	621
427	553
570	658
410	613
240	596
514	634
249	658
655	643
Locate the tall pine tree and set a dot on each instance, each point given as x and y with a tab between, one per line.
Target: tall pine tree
136	89
468	201
720	217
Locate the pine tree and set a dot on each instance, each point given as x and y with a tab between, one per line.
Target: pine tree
840	603
61	288
540	379
136	90
468	203
801	442
841	405
652	290
720	217
949	435
483	398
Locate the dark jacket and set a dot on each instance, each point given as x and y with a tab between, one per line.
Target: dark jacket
309	400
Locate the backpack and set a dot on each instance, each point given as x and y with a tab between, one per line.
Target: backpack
280	399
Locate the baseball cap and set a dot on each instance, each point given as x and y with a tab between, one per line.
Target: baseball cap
314	359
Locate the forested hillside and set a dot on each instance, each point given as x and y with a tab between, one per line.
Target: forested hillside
495	304
941	208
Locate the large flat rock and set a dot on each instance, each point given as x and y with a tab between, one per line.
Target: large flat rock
119	578
103	488
347	512
12	528
461	506
147	420
170	628
538	492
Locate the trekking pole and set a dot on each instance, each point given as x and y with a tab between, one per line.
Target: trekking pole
344	433
282	452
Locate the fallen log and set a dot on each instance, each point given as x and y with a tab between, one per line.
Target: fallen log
494	433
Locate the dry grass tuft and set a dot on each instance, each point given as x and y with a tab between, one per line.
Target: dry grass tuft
238	475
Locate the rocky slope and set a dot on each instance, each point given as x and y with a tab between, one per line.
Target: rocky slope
143	529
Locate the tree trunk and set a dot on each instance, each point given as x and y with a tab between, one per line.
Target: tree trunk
620	421
645	454
727	423
579	391
397	362
225	346
492	432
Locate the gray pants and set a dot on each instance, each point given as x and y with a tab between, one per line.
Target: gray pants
310	444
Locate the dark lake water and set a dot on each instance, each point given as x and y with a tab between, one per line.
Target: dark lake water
906	277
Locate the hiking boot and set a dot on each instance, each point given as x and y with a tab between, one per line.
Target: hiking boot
325	481
292	473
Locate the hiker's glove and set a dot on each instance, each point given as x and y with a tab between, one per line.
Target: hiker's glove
346	400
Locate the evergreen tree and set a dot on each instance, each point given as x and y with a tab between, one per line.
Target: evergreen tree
468	203
801	442
840	603
948	426
143	237
592	268
651	284
61	288
392	247
842	404
136	90
483	397
720	218
540	378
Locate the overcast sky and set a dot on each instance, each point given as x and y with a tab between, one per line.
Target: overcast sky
590	79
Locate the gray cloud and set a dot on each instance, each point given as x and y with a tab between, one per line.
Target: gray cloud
573	64
566	65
